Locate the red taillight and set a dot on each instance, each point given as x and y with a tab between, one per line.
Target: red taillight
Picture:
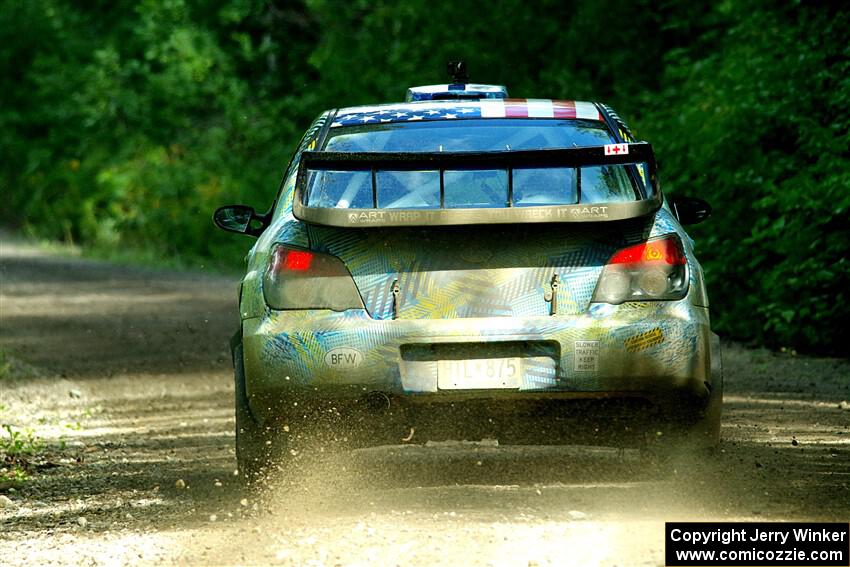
649	271
291	260
303	279
298	260
664	250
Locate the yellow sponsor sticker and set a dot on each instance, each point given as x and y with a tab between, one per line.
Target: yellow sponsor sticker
643	341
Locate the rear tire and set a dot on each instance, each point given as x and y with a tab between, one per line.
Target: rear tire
706	433
258	449
697	438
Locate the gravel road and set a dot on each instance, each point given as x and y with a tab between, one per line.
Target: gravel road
124	374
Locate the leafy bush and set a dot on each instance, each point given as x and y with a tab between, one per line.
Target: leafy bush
760	128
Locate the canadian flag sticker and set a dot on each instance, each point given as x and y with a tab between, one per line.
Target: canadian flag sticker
616	149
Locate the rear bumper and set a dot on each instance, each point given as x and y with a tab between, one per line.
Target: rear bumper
655	351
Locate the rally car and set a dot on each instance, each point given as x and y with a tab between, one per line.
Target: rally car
468	265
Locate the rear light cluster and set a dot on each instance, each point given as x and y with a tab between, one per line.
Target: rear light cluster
649	271
302	279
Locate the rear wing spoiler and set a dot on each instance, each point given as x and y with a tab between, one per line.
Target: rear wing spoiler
645	202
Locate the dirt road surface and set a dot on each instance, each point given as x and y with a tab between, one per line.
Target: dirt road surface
125	375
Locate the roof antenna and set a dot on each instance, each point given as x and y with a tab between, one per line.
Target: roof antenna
457	71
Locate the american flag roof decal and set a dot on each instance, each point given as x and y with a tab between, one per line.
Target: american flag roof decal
456	110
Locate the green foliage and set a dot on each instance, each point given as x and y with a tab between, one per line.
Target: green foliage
131	123
123	125
12	477
17	449
760	128
16	443
5	368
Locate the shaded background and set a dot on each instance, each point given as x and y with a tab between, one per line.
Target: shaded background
124	124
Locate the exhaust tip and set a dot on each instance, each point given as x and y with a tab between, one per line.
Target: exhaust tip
377	402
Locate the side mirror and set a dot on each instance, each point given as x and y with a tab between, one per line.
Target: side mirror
239	218
690	210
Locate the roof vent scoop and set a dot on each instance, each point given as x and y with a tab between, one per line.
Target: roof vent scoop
459	89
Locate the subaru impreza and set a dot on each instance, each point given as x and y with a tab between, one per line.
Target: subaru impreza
469	265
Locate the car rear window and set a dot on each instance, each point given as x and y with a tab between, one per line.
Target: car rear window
477	135
464	188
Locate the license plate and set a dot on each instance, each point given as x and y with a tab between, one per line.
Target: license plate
480	373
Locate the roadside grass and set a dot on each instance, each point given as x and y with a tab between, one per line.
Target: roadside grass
5	364
147	257
23	453
150	258
11	368
18	444
19	449
122	255
27	451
